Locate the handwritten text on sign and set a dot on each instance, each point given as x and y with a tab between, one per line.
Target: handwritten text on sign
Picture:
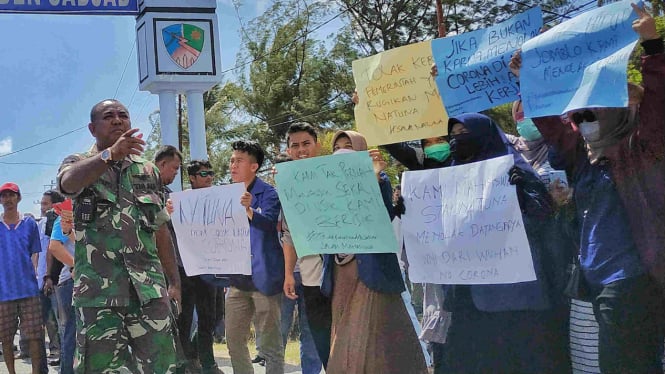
579	63
463	225
212	230
398	99
473	67
333	205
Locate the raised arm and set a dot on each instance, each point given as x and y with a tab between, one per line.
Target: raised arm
405	154
76	173
652	108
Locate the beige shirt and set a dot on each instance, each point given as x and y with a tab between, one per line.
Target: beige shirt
310	267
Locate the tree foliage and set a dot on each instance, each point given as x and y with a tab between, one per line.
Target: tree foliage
379	25
291	75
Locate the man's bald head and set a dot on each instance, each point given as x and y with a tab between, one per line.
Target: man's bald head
95	109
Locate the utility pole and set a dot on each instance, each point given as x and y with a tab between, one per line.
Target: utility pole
182	174
439	18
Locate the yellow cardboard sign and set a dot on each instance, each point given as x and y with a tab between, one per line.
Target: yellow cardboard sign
398	97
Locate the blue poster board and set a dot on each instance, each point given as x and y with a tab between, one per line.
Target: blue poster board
579	63
473	67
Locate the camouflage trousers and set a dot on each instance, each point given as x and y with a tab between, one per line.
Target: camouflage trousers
138	337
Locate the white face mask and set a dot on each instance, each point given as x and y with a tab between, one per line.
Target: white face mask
342	151
590	131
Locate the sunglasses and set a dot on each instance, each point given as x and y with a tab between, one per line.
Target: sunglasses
580	117
206	173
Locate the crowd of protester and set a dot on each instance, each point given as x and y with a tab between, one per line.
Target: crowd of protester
107	270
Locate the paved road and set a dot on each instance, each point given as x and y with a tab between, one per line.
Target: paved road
23	367
221	356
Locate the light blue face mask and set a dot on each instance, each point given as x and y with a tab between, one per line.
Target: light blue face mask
528	130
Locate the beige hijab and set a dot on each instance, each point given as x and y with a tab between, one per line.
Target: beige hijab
358	143
615	123
357	139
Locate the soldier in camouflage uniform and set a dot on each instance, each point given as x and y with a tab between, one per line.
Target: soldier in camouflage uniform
123	250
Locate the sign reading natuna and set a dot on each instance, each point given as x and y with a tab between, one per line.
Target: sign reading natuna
70	6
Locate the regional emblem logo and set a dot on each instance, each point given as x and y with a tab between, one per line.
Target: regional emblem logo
184	43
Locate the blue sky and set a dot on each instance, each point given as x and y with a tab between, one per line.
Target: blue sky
55	67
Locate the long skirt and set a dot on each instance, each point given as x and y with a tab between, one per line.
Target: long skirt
371	331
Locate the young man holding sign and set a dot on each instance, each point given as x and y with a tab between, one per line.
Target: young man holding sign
257	296
302	142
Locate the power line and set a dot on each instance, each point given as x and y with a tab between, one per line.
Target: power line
579	8
44	141
124	70
28	163
145	103
543	9
134	94
239	128
259	57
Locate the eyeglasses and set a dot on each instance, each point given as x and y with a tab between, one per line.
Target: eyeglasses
586	115
206	173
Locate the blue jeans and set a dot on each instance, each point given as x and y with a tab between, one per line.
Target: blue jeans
309	358
67	322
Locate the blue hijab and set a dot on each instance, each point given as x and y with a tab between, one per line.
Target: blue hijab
489	134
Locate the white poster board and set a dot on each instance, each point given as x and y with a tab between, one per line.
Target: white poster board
463	225
212	230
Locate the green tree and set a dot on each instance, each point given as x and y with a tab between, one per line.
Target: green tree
290	75
380	25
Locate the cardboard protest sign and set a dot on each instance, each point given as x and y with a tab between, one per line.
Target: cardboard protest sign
212	230
333	205
463	225
579	63
473	67
398	99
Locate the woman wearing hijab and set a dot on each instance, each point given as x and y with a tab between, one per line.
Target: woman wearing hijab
505	328
530	142
615	157
371	329
436	153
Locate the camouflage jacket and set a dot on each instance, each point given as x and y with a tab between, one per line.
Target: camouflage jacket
116	253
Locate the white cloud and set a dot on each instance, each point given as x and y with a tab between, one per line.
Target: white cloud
5	145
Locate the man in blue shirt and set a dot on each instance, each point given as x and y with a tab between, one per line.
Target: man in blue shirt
61	246
19	294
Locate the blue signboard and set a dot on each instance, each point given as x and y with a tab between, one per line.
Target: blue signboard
127	7
473	67
580	63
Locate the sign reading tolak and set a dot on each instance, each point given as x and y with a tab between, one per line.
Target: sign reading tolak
70	6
